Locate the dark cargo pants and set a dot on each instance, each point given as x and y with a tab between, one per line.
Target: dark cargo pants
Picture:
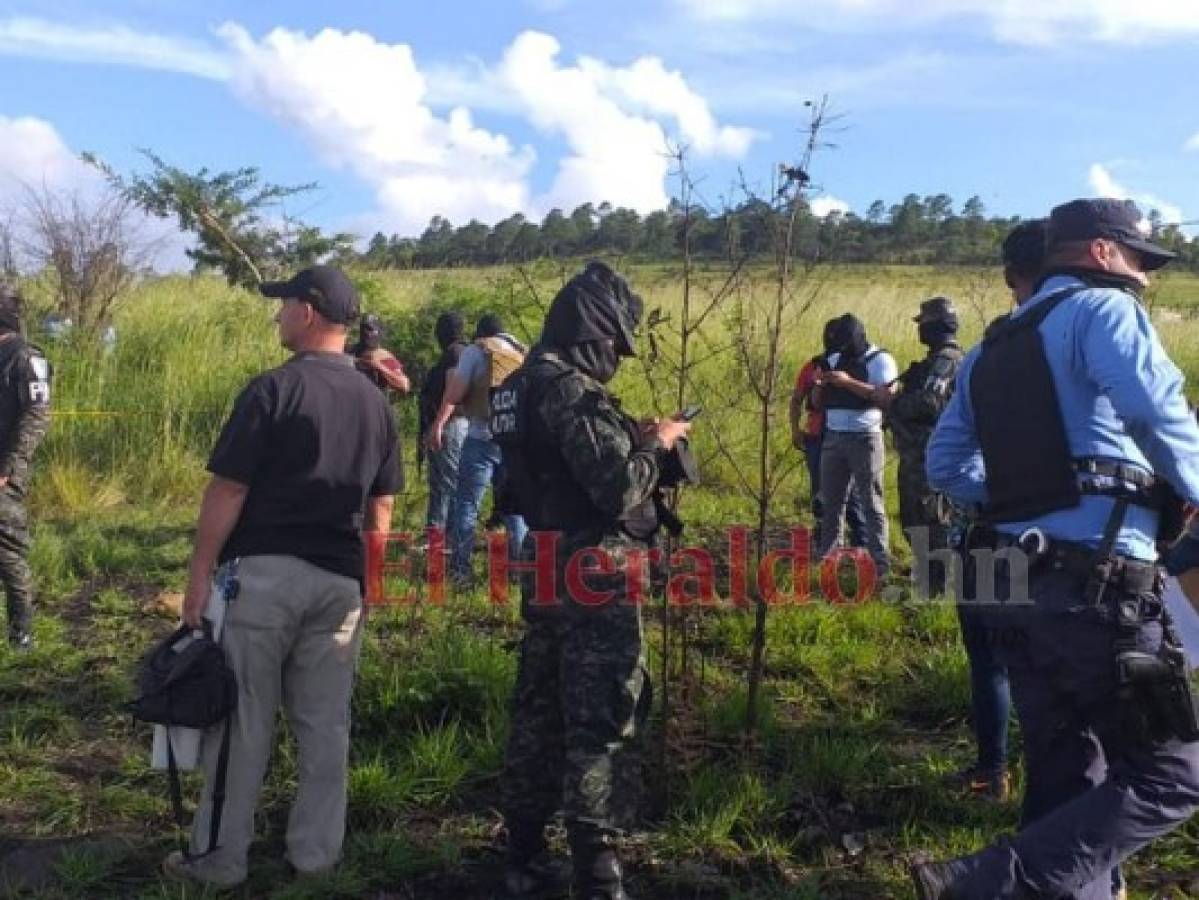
14	564
1097	791
580	686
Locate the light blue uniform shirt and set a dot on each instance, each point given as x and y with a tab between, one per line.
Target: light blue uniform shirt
1121	400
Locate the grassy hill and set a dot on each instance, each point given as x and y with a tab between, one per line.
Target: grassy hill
866	705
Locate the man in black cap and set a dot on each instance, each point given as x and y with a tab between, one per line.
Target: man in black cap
24	420
1063	419
305	464
585	471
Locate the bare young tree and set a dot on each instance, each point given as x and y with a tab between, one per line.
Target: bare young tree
764	316
93	246
681	342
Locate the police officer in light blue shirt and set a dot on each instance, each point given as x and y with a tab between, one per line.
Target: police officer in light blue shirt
1066	422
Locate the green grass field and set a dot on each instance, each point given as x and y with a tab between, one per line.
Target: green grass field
865	705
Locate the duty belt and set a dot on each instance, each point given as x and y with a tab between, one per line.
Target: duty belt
1120	573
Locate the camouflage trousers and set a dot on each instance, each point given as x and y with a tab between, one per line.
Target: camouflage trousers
921	507
14	565
581	693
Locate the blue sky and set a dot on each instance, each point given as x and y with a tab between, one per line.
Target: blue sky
402	110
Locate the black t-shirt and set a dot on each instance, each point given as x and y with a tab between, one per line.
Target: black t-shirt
433	389
313	440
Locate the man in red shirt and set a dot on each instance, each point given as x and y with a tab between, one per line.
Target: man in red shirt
375	361
807	435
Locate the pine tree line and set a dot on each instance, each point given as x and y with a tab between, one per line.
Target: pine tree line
918	230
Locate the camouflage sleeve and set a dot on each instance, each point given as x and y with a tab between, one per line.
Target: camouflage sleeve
596	446
31	381
924	401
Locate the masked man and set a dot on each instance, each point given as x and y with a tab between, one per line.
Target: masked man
585	473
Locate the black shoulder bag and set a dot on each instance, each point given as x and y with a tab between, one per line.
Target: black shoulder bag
186	680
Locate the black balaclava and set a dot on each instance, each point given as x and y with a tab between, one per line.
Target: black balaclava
370	333
591	320
849	336
938	332
489	326
449	329
829	337
596	358
10	309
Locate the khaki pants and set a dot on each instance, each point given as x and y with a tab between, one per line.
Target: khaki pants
292	634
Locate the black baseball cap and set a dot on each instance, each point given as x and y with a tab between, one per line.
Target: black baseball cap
328	289
1115	220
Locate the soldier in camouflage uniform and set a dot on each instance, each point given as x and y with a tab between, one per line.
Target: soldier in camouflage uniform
923	392
24	418
582	469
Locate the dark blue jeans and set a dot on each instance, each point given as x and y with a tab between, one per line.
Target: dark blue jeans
990	694
477	468
443	471
1097	789
853	509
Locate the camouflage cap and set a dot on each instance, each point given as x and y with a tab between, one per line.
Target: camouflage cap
937	309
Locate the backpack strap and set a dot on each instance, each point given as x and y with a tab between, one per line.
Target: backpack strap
218	794
176	791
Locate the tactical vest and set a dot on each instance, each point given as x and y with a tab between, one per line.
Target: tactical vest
858	368
15	388
1030	470
547	494
503	358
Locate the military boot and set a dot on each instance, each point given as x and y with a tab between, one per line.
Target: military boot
598	874
530	872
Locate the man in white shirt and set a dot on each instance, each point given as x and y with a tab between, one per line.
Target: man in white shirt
851	394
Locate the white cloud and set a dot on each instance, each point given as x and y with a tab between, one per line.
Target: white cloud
33	155
114	44
1192	143
1014	21
610	119
366	106
1104	184
362	105
826	205
647	86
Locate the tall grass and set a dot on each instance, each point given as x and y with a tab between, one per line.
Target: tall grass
136	424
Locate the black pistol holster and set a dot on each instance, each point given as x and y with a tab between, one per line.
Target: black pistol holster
1154	688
